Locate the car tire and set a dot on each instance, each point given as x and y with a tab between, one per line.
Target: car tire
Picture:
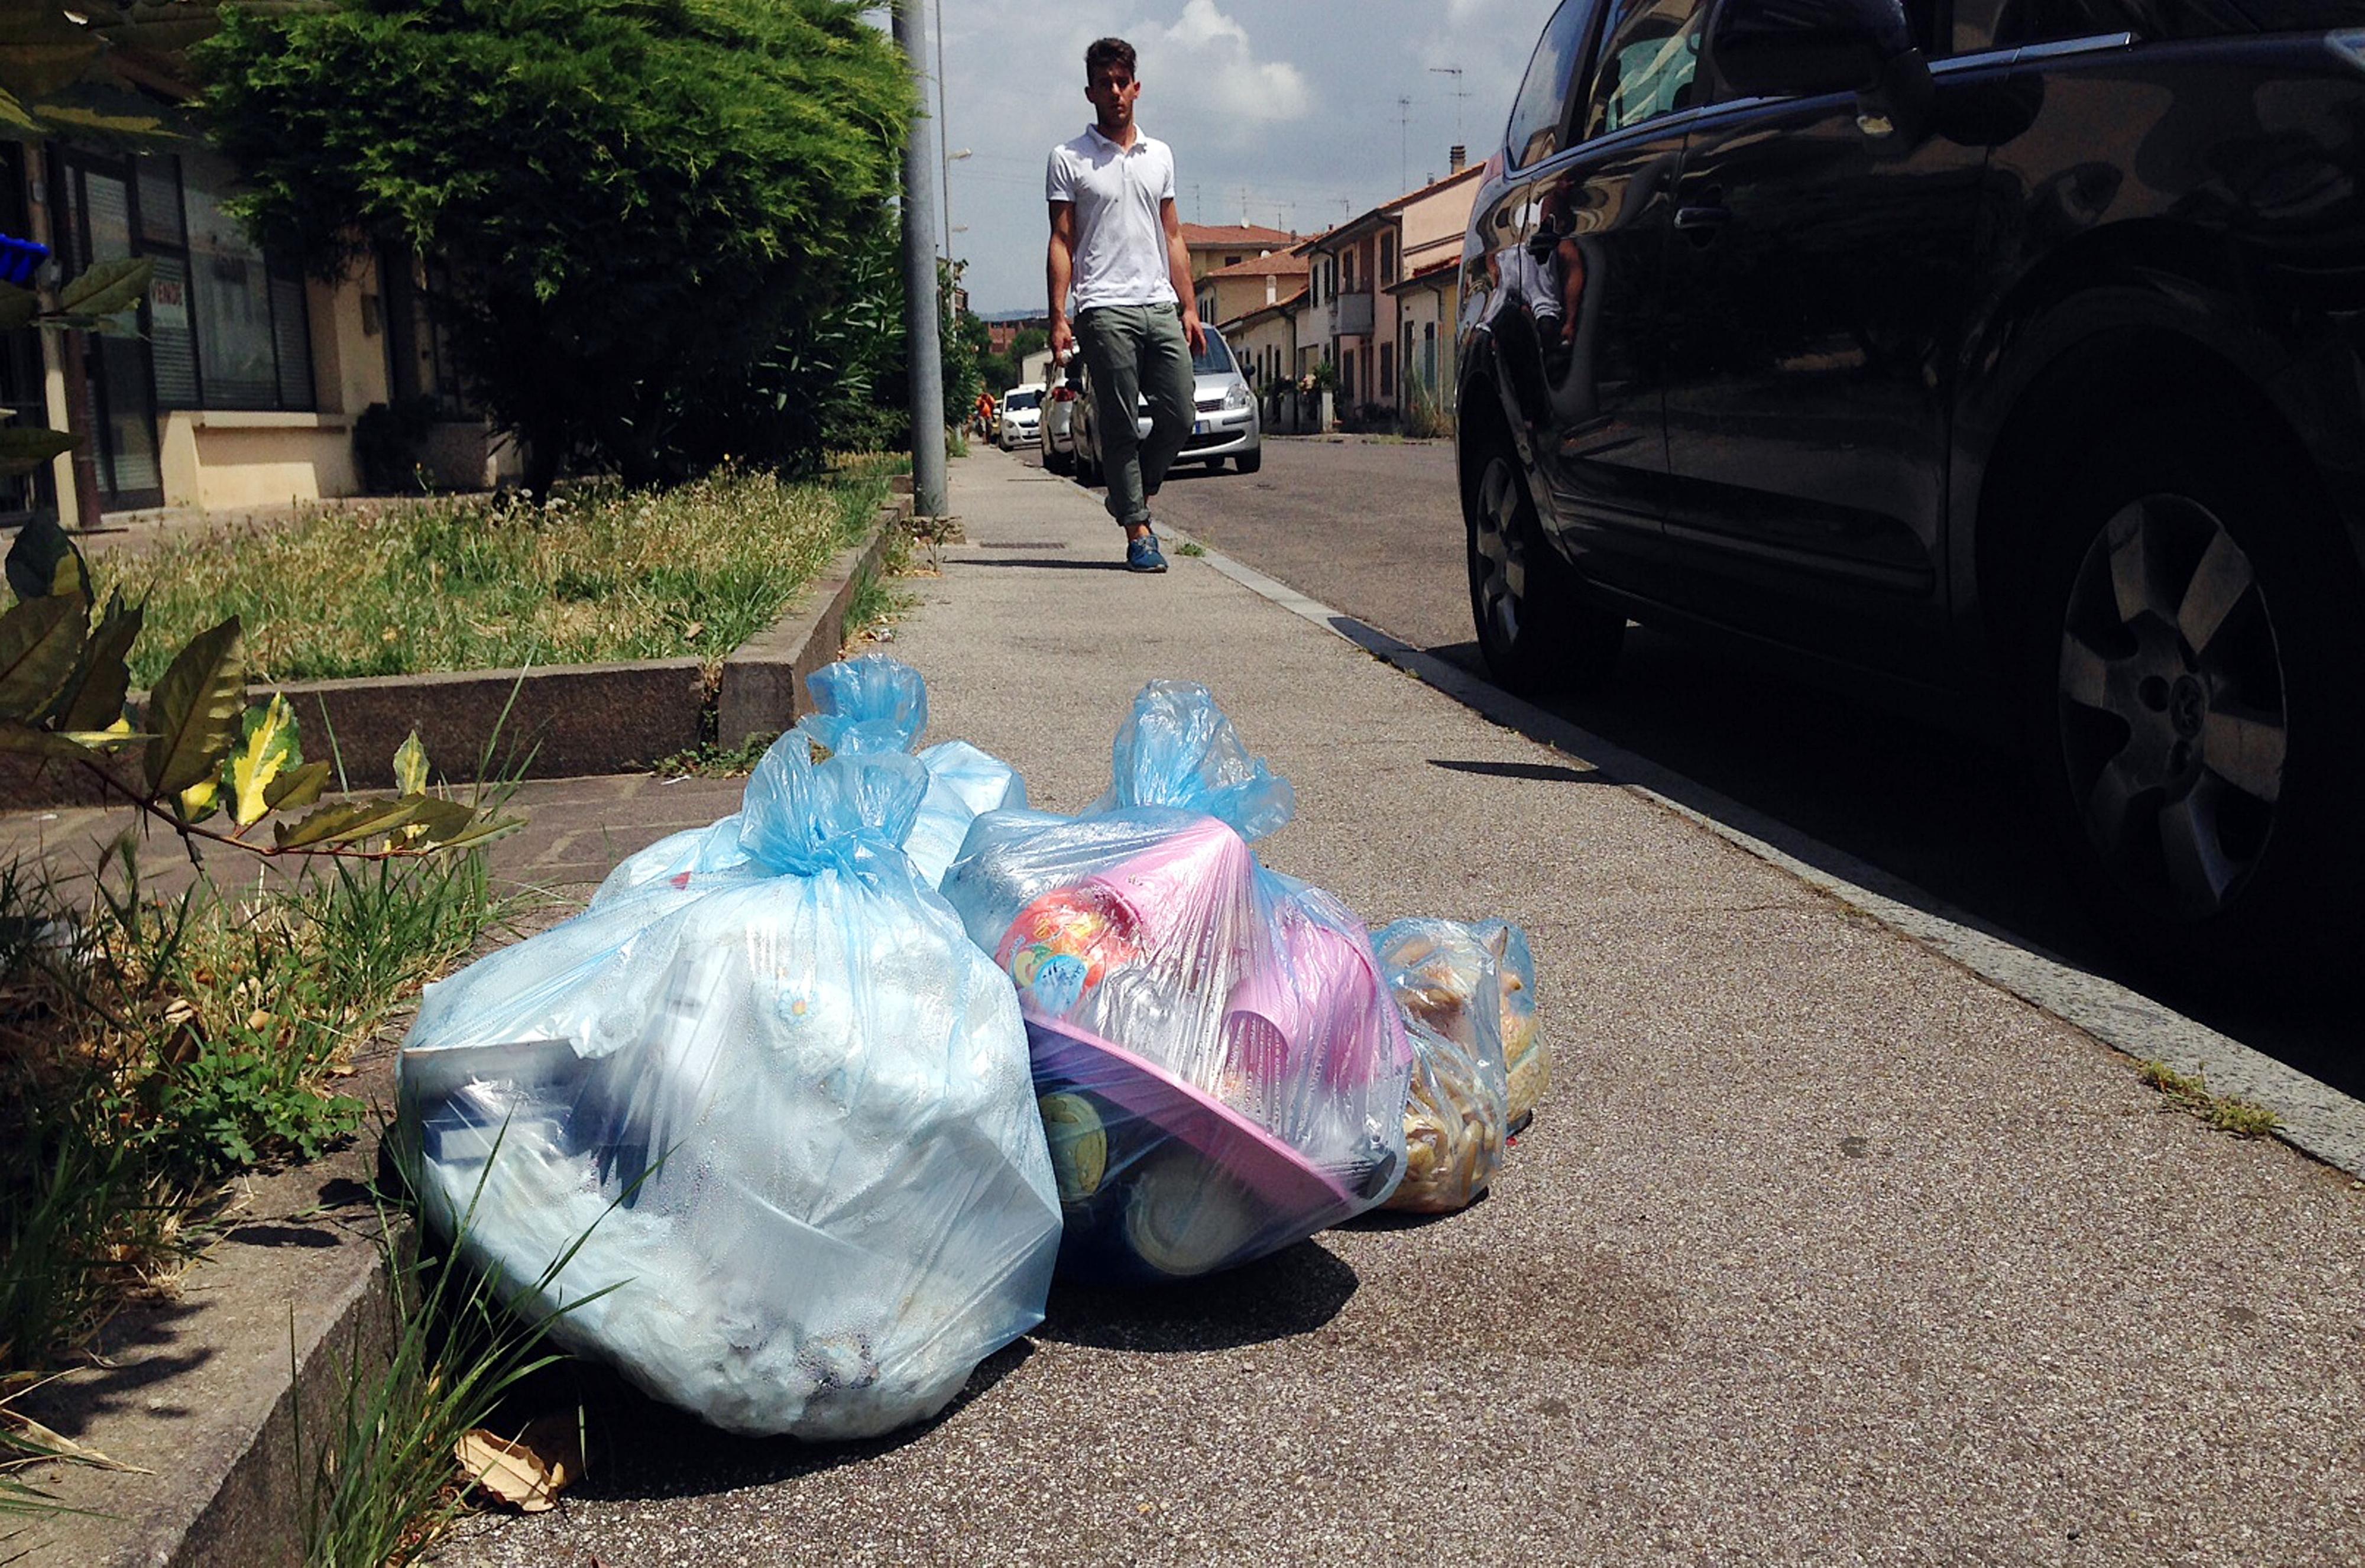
1250	462
2188	684
1536	631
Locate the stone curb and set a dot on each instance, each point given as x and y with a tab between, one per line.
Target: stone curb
2312	1117
566	721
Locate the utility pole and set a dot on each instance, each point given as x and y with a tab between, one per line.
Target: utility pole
922	342
1404	143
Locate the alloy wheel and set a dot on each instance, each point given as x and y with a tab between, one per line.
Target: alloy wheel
1501	566
2171	705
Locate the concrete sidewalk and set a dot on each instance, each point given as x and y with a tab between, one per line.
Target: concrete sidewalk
1821	1249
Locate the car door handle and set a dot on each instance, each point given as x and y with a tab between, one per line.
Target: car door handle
1703	216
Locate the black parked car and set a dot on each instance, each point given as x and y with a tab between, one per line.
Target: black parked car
2007	357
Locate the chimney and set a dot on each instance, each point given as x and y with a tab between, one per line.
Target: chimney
1455	157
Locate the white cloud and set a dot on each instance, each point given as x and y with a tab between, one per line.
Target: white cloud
1211	54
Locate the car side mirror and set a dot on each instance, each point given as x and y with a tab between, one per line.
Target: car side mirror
1801	49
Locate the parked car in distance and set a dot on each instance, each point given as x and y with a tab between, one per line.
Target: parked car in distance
2012	370
1224	421
1056	434
1021	412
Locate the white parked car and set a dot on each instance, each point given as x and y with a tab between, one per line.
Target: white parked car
1021	412
1056	434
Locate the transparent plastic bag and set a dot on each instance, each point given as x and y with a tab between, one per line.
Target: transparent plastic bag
1219	1067
1525	1057
873	705
783	1103
1446	978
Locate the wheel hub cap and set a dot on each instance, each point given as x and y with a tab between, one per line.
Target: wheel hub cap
2170	701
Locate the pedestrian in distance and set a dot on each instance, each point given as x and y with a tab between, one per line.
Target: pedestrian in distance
1120	281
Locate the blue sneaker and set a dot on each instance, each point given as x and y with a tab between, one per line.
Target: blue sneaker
1141	554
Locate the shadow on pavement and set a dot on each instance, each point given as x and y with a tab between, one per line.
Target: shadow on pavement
1293	1291
640	1449
1044	565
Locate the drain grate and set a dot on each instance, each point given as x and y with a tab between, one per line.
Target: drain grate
1022	544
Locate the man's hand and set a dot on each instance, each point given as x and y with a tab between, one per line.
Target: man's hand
1195	333
1063	339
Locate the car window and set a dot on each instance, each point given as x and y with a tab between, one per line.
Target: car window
1025	399
2003	24
1648	66
1542	107
1216	360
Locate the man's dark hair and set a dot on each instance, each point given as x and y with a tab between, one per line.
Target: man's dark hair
1107	51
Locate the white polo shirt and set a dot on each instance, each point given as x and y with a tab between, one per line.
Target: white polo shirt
1121	251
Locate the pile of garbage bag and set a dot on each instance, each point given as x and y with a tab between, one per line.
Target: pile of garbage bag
1222	1069
794	1121
771	1110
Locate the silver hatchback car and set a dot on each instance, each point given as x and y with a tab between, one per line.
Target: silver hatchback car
1224	420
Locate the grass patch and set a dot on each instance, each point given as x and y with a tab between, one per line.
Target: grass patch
2223	1111
153	1045
470	583
1188	548
382	1487
710	761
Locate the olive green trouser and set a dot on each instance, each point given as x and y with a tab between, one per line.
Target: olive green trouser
1136	350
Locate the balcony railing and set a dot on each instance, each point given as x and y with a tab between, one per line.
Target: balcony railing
1350	316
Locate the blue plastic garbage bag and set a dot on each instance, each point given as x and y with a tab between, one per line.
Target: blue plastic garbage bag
785	1099
871	704
1220	1068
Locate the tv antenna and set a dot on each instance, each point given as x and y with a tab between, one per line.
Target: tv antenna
1404	142
1459	92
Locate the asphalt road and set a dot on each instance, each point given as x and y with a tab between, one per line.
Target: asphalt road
1371	526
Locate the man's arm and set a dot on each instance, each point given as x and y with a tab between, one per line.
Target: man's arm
1177	272
1060	269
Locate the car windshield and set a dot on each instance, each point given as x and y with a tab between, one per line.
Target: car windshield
1018	399
1216	361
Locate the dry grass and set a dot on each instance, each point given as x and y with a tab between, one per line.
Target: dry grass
475	584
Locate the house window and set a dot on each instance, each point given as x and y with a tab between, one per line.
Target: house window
1231	260
1388	370
247	309
1387	258
1347	272
1429	352
1346	374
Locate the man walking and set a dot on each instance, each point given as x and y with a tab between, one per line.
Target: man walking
1116	255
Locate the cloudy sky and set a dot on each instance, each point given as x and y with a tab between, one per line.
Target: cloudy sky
1282	112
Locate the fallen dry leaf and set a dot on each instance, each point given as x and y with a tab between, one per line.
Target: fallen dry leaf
528	1471
59	1447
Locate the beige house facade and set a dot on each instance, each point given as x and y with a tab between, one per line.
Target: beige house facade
247	378
1370	326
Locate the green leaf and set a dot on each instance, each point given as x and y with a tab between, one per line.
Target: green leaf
270	747
41	50
481	833
40	641
297	787
24	449
333	825
94	699
410	767
195	711
433	821
108	286
43	561
200	799
23	740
